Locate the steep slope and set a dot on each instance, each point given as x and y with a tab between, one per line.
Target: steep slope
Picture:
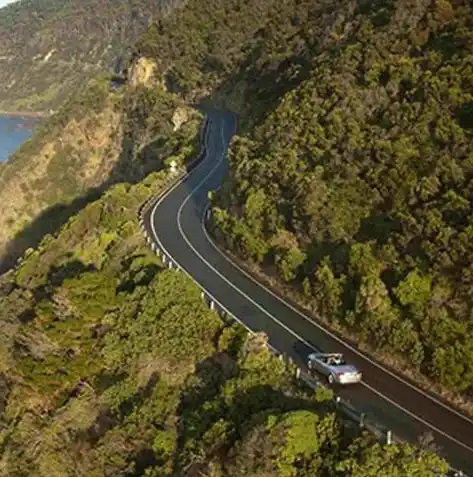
353	181
227	51
358	155
97	139
48	48
103	133
356	191
111	364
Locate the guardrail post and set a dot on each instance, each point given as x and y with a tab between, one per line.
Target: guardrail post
153	246
158	252
362	419
170	264
298	373
281	358
202	295
164	259
212	305
389	437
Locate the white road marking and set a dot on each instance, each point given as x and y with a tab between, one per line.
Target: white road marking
328	332
197	253
333	336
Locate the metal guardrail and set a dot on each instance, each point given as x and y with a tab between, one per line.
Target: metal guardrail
346	410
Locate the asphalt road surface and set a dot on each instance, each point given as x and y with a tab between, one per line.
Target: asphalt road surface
175	223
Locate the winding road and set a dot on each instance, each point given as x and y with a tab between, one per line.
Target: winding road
176	225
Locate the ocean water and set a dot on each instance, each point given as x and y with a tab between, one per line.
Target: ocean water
14	131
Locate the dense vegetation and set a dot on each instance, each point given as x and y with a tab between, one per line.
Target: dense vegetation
237	54
111	364
350	178
357	188
103	134
352	173
48	48
199	45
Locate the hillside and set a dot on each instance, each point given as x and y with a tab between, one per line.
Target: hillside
350	180
49	48
355	192
103	134
97	139
111	364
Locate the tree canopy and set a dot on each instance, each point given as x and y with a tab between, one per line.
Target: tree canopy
358	185
350	178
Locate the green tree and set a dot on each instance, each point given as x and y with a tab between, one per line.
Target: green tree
375	313
414	292
328	291
289	262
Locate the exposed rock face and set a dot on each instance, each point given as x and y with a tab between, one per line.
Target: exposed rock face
106	135
143	72
180	116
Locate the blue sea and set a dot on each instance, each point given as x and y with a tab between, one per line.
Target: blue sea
14	131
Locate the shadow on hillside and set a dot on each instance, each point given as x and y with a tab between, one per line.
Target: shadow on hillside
46	223
57	275
140	277
53	218
197	413
266	85
55	278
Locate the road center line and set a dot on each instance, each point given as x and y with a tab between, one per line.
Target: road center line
196	252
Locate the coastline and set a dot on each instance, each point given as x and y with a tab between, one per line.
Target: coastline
24	114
